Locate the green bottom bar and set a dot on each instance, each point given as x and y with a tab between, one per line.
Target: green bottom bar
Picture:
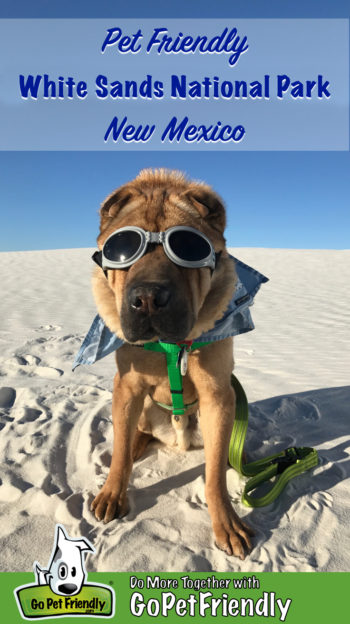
188	597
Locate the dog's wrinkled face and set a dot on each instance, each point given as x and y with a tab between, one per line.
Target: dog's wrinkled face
156	298
156	301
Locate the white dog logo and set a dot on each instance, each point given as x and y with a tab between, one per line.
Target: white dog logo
66	571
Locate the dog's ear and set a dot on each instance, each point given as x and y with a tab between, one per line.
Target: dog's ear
208	204
112	204
83	545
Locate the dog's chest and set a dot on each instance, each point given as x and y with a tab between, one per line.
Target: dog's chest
153	371
161	391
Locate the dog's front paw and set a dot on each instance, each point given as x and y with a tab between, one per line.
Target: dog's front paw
232	535
109	504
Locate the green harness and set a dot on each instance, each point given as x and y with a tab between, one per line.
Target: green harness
174	354
285	465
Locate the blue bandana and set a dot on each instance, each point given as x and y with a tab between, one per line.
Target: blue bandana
100	341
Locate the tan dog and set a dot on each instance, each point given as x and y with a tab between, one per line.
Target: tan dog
158	299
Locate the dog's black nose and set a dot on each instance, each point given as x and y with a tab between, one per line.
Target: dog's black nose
149	298
67	588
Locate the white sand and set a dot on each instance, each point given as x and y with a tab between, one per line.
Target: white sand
56	436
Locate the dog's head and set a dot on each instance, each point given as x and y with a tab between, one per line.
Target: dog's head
66	573
156	298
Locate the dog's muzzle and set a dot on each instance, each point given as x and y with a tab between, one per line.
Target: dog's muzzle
149	298
153	309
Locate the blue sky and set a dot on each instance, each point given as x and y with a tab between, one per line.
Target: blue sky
274	199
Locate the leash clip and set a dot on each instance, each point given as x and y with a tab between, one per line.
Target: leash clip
182	358
291	456
184	363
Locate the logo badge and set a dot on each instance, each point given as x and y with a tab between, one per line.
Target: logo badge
61	589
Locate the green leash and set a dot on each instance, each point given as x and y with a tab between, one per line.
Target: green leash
286	465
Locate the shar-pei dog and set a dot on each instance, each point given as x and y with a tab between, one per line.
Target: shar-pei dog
166	276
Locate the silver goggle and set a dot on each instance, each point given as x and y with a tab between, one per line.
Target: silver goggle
183	245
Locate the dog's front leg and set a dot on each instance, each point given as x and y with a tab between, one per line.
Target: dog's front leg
231	534
211	375
127	406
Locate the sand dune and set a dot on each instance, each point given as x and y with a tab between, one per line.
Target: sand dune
56	433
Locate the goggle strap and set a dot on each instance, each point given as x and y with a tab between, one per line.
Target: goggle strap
97	257
217	257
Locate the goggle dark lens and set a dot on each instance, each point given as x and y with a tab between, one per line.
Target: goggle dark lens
189	246
122	246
